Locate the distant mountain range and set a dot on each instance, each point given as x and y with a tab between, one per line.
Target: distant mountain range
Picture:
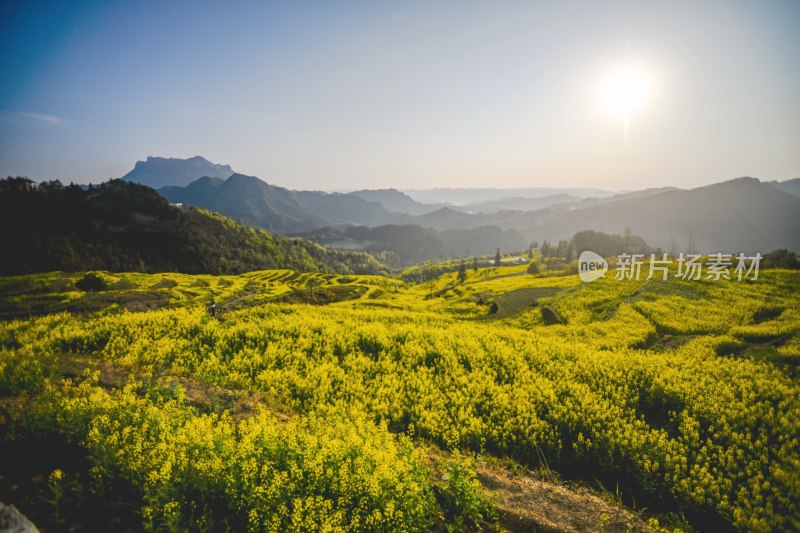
465	196
159	172
743	214
396	201
518	203
252	201
790	186
247	200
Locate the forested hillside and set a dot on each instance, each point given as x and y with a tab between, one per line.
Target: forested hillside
121	226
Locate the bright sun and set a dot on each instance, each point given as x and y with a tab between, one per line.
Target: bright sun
625	90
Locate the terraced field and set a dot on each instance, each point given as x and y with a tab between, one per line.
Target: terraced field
321	402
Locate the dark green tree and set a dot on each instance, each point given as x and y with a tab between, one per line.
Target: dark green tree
570	252
462	272
430	274
781	259
91	282
545	249
497	258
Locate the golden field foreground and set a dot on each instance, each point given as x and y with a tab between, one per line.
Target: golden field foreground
323	403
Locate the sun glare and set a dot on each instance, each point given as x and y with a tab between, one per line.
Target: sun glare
625	90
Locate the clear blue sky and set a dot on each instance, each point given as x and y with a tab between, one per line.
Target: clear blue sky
342	95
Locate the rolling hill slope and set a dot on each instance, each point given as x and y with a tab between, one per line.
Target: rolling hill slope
254	202
123	226
737	215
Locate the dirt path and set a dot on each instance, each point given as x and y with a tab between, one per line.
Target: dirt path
529	504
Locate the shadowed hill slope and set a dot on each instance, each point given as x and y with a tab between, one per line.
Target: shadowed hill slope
122	226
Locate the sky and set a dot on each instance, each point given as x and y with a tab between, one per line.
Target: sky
372	94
